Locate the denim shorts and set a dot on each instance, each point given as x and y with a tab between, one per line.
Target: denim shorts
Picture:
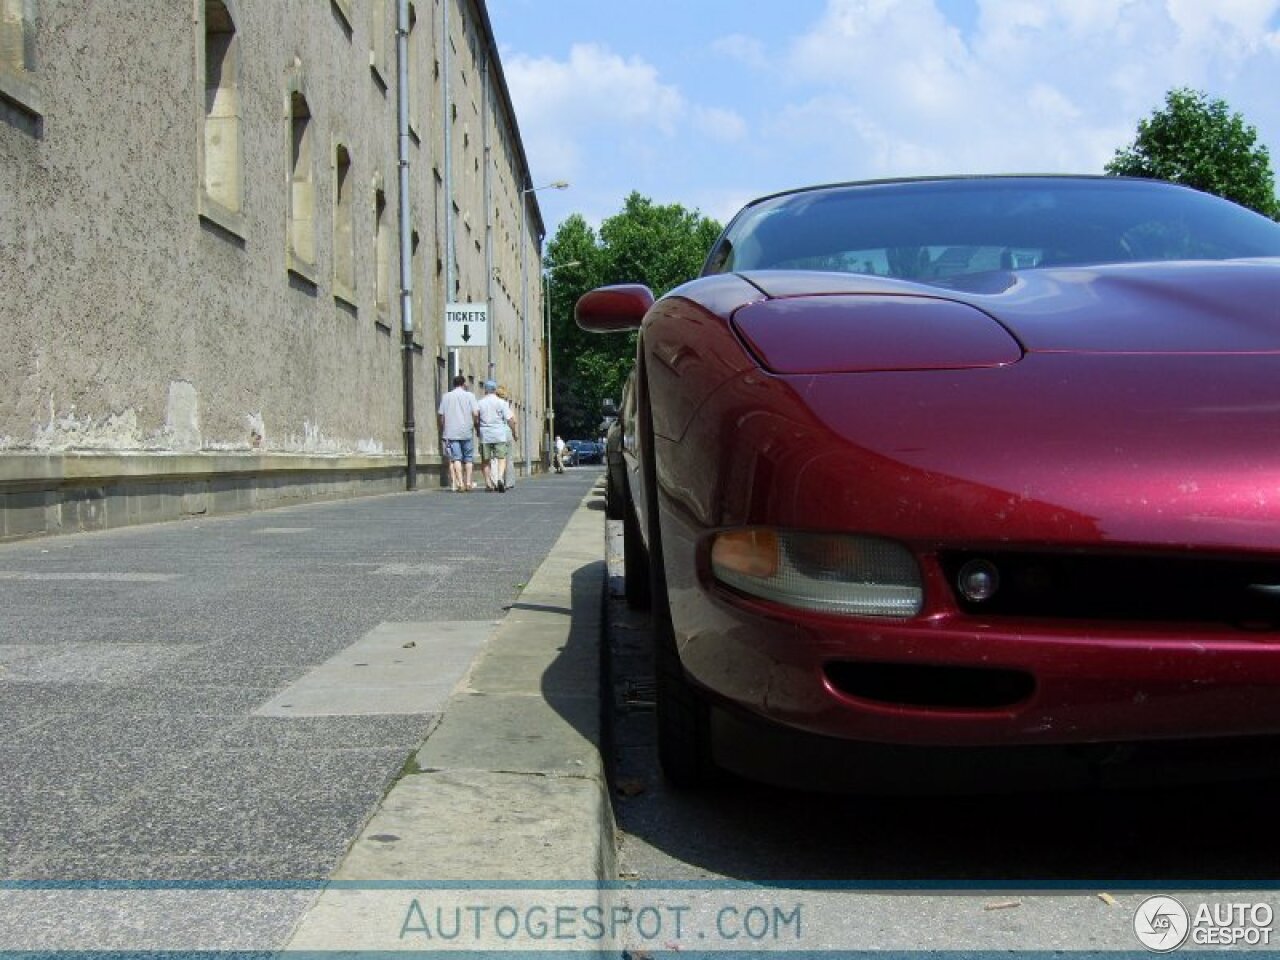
461	450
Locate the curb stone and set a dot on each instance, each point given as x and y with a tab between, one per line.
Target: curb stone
511	785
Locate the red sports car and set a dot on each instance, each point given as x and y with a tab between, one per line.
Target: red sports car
977	471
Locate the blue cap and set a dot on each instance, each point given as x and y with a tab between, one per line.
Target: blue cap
491	385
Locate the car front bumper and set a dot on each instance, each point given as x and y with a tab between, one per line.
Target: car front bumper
953	681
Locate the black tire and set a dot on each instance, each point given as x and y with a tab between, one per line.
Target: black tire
614	499
684	723
683	715
635	559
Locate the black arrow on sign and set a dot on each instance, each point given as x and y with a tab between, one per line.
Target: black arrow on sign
466	333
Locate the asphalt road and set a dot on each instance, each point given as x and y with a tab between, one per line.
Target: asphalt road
1039	870
167	704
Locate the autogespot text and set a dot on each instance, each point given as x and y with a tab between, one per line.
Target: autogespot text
465	925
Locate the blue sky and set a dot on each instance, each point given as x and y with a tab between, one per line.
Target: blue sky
710	103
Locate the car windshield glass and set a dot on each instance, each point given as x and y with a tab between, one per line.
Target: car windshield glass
934	229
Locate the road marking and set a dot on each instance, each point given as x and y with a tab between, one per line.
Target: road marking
105	577
412	570
85	663
395	668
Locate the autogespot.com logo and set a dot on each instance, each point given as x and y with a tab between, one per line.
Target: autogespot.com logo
1161	924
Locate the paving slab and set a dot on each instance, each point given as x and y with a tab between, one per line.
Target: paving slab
395	668
515	734
510	786
137	753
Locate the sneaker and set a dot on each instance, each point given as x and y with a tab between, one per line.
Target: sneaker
502	486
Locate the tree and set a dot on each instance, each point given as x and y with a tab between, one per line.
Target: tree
1198	142
659	246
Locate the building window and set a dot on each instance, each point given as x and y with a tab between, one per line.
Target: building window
378	40
412	92
343	10
18	55
419	283
382	256
15	37
222	176
302	194
344	248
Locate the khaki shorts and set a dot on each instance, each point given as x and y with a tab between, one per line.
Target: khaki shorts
494	451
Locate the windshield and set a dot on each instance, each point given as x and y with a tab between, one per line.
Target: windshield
934	229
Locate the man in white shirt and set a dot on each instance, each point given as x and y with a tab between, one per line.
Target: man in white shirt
496	423
457	416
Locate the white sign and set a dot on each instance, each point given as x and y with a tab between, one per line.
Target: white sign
466	325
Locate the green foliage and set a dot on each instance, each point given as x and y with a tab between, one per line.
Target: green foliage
1198	142
659	246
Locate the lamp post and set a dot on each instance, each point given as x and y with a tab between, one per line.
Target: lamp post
525	327
546	299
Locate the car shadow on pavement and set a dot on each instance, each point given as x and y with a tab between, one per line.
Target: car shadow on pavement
1201	834
570	683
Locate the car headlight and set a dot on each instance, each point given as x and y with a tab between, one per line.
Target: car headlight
832	573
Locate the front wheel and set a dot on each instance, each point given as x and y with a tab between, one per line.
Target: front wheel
683	714
614	498
684	725
635	558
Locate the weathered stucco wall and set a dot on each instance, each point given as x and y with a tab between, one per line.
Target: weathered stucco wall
133	324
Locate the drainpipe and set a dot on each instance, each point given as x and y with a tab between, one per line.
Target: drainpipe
488	217
406	247
450	274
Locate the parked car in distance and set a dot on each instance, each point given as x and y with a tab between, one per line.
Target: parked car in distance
615	465
946	476
586	451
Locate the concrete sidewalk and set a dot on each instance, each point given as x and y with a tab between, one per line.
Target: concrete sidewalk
511	785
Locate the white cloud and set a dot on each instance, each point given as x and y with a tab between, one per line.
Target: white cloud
1052	105
894	87
851	138
724	125
559	103
1221	37
619	103
742	48
594	85
1246	18
884	88
900	51
721	205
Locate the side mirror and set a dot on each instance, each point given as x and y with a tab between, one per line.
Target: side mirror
610	309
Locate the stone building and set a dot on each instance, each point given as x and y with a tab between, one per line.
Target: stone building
200	282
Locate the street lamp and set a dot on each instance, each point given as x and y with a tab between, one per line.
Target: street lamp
551	397
527	334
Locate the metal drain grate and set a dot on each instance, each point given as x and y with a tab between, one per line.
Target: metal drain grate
639	694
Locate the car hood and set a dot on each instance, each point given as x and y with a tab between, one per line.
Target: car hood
1174	450
1220	307
1144	411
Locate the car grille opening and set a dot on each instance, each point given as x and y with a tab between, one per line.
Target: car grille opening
931	686
1241	593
